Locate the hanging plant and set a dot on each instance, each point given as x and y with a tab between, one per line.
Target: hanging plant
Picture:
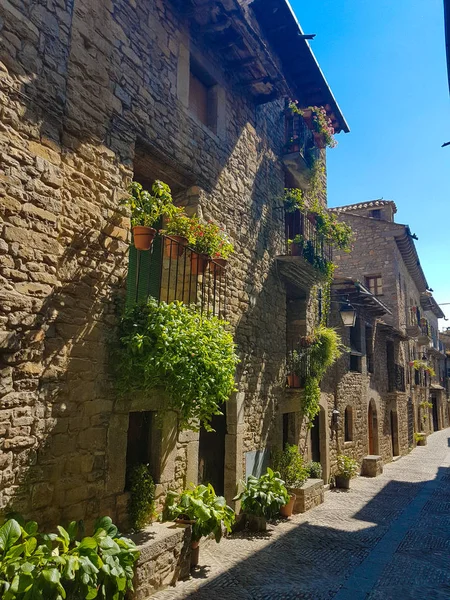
317	119
323	352
175	348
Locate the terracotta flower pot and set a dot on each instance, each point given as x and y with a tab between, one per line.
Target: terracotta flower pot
319	140
293	381
296	249
199	262
174	245
143	237
218	265
342	482
288	509
195	553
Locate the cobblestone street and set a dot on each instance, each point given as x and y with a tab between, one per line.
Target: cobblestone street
386	538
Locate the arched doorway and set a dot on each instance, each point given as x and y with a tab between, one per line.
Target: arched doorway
394	434
373	428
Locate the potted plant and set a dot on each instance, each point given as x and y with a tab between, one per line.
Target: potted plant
261	499
200	507
346	469
178	233
420	439
146	210
314	470
289	463
294	366
224	250
296	245
205	243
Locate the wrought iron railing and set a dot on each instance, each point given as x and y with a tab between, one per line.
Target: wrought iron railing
425	327
298	366
299	138
312	245
170	271
400	383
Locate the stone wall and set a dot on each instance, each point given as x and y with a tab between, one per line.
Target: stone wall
84	86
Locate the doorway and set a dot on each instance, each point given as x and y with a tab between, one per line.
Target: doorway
394	434
373	428
315	439
435	412
211	454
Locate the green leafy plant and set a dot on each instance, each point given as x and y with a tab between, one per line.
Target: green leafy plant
141	505
179	224
324	351
55	566
289	463
420	364
426	405
314	469
321	123
419	437
173	347
200	505
209	239
148	207
263	497
293	200
346	467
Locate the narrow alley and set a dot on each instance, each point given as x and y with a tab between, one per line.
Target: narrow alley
386	538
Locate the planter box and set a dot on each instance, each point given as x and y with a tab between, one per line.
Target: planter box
311	494
372	466
423	441
165	557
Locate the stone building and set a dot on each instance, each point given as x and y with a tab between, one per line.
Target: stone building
95	94
402	396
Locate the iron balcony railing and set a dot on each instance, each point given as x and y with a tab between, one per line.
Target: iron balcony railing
313	247
298	365
414	316
170	271
425	327
299	138
396	379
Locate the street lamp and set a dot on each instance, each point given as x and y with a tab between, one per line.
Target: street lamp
348	315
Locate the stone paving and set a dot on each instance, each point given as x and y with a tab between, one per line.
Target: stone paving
386	538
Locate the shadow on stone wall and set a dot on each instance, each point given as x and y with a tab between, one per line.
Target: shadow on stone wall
67	389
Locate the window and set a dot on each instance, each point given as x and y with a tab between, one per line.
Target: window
348	424
376	214
202	95
374	283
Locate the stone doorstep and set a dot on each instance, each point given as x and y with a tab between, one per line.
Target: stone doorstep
372	465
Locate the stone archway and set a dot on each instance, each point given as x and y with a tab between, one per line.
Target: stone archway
372	418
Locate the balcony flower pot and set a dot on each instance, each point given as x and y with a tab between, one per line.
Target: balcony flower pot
199	262
174	246
218	265
288	509
342	482
293	381
296	249
319	140
143	237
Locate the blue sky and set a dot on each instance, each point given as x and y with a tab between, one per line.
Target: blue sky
385	62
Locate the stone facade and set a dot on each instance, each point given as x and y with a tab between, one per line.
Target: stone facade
94	94
392	389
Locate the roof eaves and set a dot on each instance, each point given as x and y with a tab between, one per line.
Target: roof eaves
295	53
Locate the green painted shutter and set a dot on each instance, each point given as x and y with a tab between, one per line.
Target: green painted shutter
144	273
